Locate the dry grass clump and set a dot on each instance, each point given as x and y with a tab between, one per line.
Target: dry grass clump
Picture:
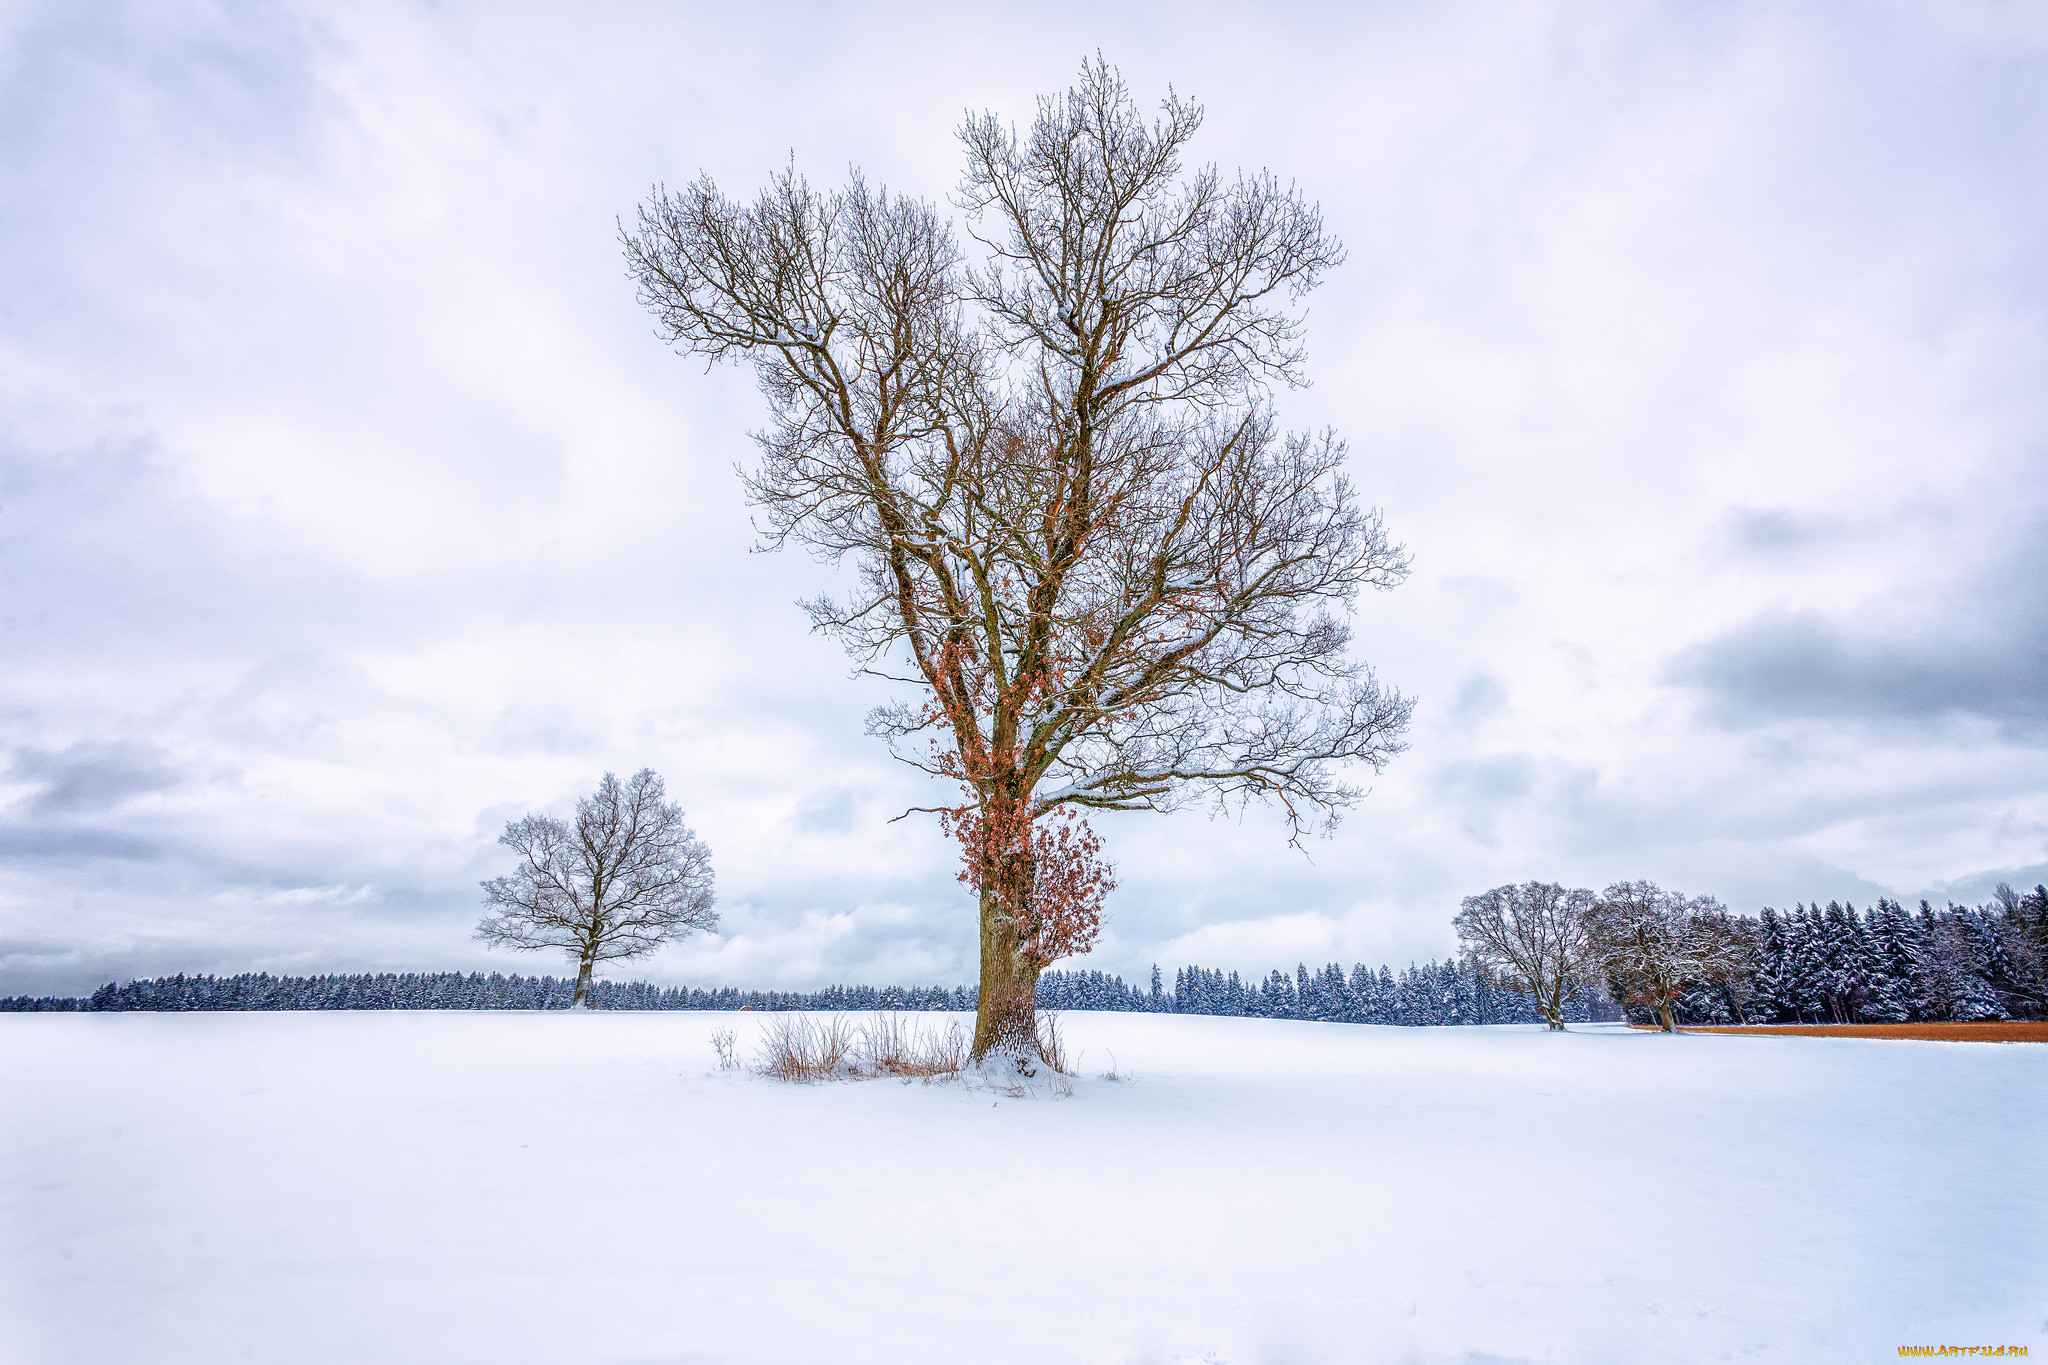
723	1040
809	1047
806	1048
891	1045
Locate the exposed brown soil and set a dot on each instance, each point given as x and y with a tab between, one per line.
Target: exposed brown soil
1940	1033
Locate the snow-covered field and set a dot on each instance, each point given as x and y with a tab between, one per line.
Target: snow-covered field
559	1188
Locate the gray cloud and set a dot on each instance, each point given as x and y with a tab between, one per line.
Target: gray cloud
1981	651
1488	781
71	846
1769	530
832	811
86	778
1479	696
1804	666
1977	888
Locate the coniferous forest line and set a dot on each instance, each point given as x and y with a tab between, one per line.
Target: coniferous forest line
1451	992
1805	965
1887	965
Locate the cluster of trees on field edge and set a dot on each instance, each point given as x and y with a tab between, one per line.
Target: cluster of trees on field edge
1674	959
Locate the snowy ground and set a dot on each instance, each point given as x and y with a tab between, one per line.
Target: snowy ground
509	1188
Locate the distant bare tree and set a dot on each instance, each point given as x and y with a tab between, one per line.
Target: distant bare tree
624	879
1653	943
1077	527
1534	937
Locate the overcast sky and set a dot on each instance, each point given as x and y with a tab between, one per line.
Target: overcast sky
349	506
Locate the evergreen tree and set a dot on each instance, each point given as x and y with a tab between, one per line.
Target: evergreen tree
1280	1001
2024	925
1956	976
1775	989
1894	966
1806	964
1336	994
1994	965
1365	986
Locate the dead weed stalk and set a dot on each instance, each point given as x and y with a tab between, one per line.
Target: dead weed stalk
1052	1048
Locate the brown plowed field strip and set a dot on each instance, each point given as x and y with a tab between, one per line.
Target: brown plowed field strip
1938	1033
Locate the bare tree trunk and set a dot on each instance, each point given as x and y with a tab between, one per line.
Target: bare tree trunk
1006	1012
583	969
1664	1016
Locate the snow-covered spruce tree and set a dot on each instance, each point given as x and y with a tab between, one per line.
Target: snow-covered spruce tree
1076	526
1387	1005
1850	968
1803	964
1533	937
1365	995
1773	981
2022	922
1994	966
1956	983
626	877
1896	991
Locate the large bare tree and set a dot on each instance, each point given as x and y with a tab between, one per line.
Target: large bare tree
1076	526
1535	938
621	881
1653	944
